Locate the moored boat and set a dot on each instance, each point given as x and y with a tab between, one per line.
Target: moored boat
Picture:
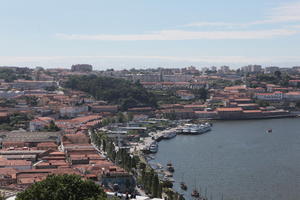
170	167
170	135
195	129
183	186
153	147
195	193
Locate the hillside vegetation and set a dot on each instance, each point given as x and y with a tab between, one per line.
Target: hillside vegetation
113	90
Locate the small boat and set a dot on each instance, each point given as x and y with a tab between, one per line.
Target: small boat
170	135
183	186
153	147
195	193
269	130
168	174
172	180
170	167
159	166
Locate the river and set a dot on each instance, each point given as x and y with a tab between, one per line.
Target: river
238	160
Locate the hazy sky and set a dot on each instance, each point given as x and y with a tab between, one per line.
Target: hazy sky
149	33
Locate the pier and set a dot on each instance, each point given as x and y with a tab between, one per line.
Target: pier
153	136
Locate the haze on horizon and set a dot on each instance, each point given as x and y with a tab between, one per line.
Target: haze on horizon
141	33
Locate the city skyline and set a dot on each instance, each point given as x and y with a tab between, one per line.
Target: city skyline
143	34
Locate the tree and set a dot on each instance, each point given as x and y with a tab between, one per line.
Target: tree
238	82
277	74
181	197
31	100
262	103
2	196
298	104
167	184
63	187
52	127
113	90
130	116
201	93
121	117
51	88
104	145
155	186
171	115
142	166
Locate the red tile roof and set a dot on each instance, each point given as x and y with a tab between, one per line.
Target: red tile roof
229	109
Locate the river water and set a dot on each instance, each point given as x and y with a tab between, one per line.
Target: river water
238	160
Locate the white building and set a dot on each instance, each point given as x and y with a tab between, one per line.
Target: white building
32	85
72	111
275	96
271	70
292	96
177	78
251	68
39	123
224	69
147	77
10	94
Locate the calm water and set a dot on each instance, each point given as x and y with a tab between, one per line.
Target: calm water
239	160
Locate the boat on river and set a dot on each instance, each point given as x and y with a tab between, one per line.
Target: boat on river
195	193
153	147
183	186
269	130
170	135
196	129
170	167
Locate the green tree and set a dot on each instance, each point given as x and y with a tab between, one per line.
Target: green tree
31	100
7	102
298	104
277	74
121	117
167	184
201	93
63	187
262	103
51	88
155	186
171	115
181	197
8	75
130	116
103	145
2	196
160	189
142	166
52	127
113	90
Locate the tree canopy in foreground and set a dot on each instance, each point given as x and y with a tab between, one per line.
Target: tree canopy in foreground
63	187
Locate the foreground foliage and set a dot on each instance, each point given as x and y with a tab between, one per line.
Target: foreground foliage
63	187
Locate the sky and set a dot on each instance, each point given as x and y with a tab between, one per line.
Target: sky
149	33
